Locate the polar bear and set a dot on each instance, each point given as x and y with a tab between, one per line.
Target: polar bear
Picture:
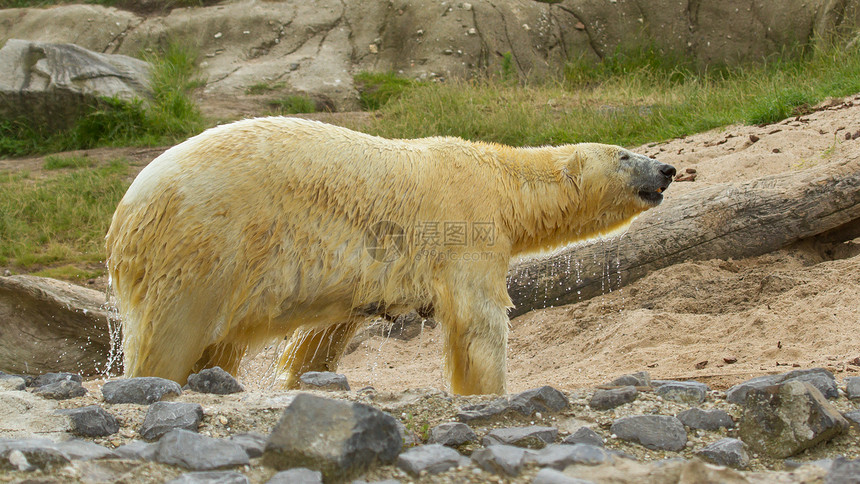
279	227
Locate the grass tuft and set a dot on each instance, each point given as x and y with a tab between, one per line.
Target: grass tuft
376	89
294	104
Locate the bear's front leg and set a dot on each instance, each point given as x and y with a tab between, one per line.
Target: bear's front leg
316	349
475	324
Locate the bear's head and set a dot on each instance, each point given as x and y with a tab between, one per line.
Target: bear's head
613	184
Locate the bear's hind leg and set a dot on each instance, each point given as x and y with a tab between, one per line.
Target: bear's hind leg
317	349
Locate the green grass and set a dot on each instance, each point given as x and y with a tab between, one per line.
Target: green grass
294	104
264	87
376	89
631	98
60	162
60	218
169	116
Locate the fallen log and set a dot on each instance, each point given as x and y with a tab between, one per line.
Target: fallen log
729	220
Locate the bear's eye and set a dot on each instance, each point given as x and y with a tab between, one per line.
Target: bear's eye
625	156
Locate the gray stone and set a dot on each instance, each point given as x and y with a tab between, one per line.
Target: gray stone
53	85
12	383
820	378
252	442
409	437
559	456
843	471
214	380
552	476
852	387
84	450
299	475
500	459
72	328
696	418
340	439
61	390
638	379
210	477
137	450
49	378
607	399
91	421
792	464
198	452
545	399
689	392
141	390
432	459
853	416
31	454
656	432
452	433
726	452
532	437
780	421
584	435
323	380
162	417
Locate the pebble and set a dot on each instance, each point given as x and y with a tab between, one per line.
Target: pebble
452	434
214	380
726	452
714	419
532	437
430	459
552	476
298	475
323	380
500	459
689	392
559	456
210	477
657	432
843	471
162	417
638	379
254	443
584	435
91	421
852	387
608	399
198	452
141	390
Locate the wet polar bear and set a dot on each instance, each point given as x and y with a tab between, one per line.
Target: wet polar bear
286	228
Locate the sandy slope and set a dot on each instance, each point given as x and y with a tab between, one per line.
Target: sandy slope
795	307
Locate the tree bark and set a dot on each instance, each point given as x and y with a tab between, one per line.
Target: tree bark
729	220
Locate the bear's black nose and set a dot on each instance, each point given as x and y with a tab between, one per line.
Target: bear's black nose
667	170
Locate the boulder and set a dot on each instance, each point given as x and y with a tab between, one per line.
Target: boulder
780	421
53	85
74	334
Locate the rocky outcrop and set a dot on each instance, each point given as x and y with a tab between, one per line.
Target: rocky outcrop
316	48
52	85
49	325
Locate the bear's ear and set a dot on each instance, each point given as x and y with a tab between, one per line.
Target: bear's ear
572	164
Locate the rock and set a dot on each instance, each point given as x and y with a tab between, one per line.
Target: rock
12	383
198	452
49	378
689	392
820	378
84	450
210	477
72	326
162	417
584	435
214	380
137	450
91	421
780	421
253	443
559	456
853	416
726	452
452	433
656	432
638	379
608	399
61	390
299	475
532	437
340	439
31	454
696	418
552	476
500	459
545	399
54	85
409	437
323	380
843	471
430	459
791	464
852	387
141	390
